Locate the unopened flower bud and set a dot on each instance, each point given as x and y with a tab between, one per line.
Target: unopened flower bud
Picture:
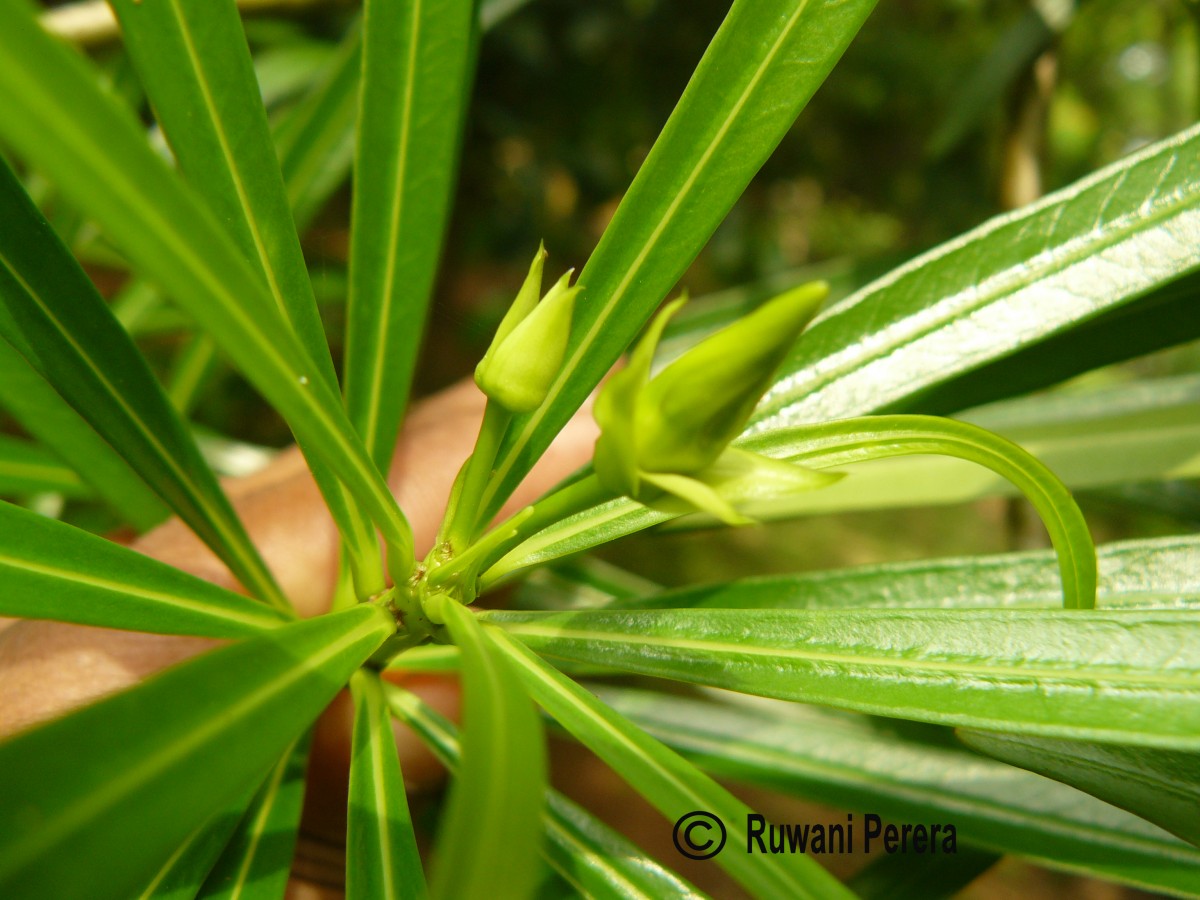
668	437
527	352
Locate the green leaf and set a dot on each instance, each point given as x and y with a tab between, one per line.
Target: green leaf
909	773
418	58
1159	573
491	831
315	139
184	872
1159	785
193	59
765	62
96	152
26	468
40	411
53	316
191	368
51	570
1126	676
258	858
381	850
1010	283
115	787
1165	317
901	877
668	781
588	854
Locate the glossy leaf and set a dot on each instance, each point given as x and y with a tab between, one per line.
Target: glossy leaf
194	63
588	854
1012	282
25	468
381	850
765	62
1125	676
1160	573
258	858
668	781
53	315
40	411
1161	786
51	570
418	59
117	786
193	59
500	780
910	773
95	151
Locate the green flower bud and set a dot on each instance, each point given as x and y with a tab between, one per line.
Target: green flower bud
527	352
691	410
680	422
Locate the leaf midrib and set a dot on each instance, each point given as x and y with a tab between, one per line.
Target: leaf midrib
1187	679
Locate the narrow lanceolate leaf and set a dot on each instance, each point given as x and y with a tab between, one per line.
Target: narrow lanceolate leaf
51	570
1160	573
192	57
315	139
418	57
185	870
673	785
381	850
500	780
589	855
26	468
1013	282
257	860
1129	676
40	411
116	787
62	121
914	774
1159	785
193	60
763	65
53	315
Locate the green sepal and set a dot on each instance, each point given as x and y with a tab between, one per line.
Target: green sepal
694	407
615	457
736	477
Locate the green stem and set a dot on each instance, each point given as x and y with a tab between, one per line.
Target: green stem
461	524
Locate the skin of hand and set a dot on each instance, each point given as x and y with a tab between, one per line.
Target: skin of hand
49	668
